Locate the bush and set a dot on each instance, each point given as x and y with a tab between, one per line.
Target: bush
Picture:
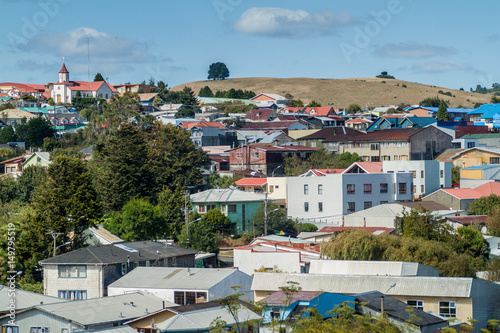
308	227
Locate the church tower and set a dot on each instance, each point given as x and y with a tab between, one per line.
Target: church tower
63	74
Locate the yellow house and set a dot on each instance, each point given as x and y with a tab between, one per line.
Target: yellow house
479	172
476	156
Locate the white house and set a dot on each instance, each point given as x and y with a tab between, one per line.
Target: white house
366	267
64	90
329	197
183	285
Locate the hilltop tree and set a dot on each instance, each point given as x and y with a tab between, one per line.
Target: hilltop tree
433	102
385	75
218	71
354	108
313	103
98	77
442	114
206	92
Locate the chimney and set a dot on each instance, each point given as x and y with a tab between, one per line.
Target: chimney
275	247
382	306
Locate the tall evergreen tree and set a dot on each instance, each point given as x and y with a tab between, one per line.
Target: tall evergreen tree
218	71
98	77
442	114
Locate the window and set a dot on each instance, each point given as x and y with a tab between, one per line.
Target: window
414	189
320	206
441	173
351	189
414	174
320	189
383	188
447	309
124	268
367	188
417	304
471	144
422	189
39	330
374	146
351	207
276	186
11	329
201	209
255	155
422	174
306	189
375	159
223	208
306	206
494	160
402	188
72	271
275	313
72	294
189	297
383	202
232	208
368	204
271	189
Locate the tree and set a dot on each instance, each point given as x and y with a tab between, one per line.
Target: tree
7	189
313	103
420	222
171	203
344	160
277	221
206	92
119	110
139	220
354	108
385	75
455	174
157	101
218	71
493	222
51	101
122	168
442	114
308	227
65	203
7	134
484	205
34	131
28	181
495	100
98	77
433	102
471	241
214	180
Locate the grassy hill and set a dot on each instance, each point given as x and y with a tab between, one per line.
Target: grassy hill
367	92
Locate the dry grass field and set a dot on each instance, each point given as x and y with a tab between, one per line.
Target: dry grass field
339	93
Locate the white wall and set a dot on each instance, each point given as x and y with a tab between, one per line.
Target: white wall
248	261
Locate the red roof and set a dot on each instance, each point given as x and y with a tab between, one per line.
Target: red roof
318	111
190	124
358	120
63	69
250	182
259	114
275	148
89	86
323	172
369	167
388	135
292	109
475	193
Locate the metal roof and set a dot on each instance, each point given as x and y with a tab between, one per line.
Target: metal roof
25	299
225	195
200	320
174	278
119	253
354	284
104	309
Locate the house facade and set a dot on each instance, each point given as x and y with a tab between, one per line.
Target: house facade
87	272
398	144
328	198
476	156
238	206
265	158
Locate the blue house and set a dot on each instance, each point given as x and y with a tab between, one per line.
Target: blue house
281	307
383	123
485	114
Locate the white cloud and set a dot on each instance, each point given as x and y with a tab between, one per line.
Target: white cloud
280	22
413	50
441	66
104	48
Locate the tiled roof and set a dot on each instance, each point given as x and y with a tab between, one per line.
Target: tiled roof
387	135
368	167
462	193
447	154
333	133
358	121
259	114
63	69
275	148
144	97
191	124
488	189
250	182
318	111
322	172
373	230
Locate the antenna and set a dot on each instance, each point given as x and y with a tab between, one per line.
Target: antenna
88	59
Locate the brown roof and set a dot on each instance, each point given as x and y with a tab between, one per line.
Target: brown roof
446	155
430	205
468	220
388	135
63	69
146	96
278	297
275	148
259	114
266	125
334	133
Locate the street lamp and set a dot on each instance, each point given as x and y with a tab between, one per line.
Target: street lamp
272	173
54	236
187	230
265	218
67	243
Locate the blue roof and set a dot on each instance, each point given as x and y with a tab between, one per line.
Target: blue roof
421	121
436	109
487	110
482	167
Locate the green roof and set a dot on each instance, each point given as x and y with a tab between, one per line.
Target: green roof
480	136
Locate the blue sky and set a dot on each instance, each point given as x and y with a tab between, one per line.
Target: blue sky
445	43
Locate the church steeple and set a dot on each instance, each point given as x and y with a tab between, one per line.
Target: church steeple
63	74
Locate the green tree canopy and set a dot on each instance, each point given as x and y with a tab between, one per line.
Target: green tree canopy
218	71
354	108
313	103
34	130
484	205
28	181
442	114
206	92
98	77
7	134
277	221
433	101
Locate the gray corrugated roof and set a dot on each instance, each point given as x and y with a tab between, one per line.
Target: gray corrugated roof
173	277
105	309
355	284
200	320
397	309
25	299
225	195
113	253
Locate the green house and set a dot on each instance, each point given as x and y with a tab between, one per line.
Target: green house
38	158
238	205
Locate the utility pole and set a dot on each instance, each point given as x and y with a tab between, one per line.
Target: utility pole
186	217
54	236
265	215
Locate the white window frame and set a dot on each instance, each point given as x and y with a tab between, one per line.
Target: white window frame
419	304
452	305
